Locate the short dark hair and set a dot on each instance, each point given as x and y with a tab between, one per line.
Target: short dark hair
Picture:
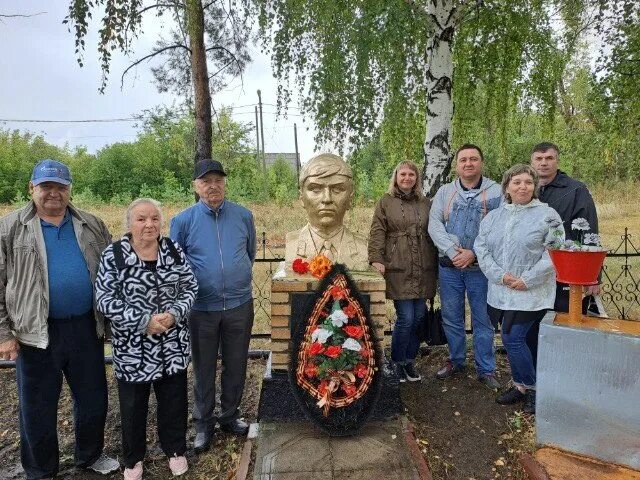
544	146
466	146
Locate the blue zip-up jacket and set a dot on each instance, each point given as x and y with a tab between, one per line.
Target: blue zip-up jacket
220	246
455	215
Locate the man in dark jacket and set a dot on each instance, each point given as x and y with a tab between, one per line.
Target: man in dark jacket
219	240
571	199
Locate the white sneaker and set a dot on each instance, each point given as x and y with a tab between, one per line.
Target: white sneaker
178	465
104	465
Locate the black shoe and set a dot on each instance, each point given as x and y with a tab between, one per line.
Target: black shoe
398	371
236	427
511	396
410	373
490	381
202	442
449	369
529	402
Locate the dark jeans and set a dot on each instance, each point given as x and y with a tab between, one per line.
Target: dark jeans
171	398
520	359
229	332
405	341
75	352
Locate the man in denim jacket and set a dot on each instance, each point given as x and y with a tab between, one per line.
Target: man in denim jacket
454	221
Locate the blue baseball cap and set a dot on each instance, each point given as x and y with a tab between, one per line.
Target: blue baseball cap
51	171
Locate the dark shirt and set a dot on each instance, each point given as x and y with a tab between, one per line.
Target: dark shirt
571	199
70	288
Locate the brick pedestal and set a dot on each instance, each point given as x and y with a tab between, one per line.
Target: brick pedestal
369	284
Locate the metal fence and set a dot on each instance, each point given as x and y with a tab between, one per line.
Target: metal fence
621	290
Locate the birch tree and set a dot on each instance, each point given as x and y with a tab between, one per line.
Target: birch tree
357	63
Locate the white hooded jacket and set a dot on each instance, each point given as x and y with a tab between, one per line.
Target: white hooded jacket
514	239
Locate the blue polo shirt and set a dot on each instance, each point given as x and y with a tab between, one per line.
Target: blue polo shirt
70	288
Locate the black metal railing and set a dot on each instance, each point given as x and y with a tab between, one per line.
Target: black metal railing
621	290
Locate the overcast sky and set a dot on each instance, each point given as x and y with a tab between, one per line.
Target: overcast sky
40	79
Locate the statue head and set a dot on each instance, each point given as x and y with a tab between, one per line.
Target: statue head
326	191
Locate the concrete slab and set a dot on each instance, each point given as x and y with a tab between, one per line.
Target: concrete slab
588	386
296	450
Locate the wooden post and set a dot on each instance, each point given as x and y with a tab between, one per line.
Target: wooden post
575	303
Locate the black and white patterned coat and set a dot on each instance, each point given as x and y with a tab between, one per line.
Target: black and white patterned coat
129	296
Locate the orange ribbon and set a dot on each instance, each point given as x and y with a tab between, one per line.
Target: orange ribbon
338	378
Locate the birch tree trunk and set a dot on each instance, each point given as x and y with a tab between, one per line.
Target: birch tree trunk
439	81
200	79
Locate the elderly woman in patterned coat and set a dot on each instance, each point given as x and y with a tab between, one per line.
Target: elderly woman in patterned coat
146	288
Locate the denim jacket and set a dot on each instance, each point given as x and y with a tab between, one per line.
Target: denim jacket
513	239
455	215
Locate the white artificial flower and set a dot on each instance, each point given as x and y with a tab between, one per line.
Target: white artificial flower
580	224
320	335
339	318
591	239
352	344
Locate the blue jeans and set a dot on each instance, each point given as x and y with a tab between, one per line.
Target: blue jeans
405	340
453	285
522	367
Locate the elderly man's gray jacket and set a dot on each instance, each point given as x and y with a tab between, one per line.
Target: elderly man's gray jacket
24	285
514	239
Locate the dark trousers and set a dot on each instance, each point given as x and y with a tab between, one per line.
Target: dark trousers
75	352
171	397
229	332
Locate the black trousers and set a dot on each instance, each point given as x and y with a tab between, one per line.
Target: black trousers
171	398
229	332
75	352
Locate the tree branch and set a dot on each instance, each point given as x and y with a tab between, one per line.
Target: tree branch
149	57
160	5
219	47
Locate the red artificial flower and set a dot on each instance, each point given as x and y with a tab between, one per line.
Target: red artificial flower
364	353
360	370
350	311
337	292
315	348
353	331
311	370
333	351
300	266
349	389
322	387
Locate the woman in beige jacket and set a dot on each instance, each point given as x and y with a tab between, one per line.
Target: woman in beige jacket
401	250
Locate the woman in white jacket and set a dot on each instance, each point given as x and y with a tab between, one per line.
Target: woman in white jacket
512	252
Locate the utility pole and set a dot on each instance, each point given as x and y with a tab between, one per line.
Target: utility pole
257	137
295	138
264	157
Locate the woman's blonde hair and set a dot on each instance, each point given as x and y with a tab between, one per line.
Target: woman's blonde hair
519	169
393	183
140	201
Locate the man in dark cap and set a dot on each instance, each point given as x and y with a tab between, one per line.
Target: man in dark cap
49	254
219	240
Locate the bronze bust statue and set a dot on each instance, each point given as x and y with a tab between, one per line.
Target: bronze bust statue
326	192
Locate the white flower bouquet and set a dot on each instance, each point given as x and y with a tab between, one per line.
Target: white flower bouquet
585	242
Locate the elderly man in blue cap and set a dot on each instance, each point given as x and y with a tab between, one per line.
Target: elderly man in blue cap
49	255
